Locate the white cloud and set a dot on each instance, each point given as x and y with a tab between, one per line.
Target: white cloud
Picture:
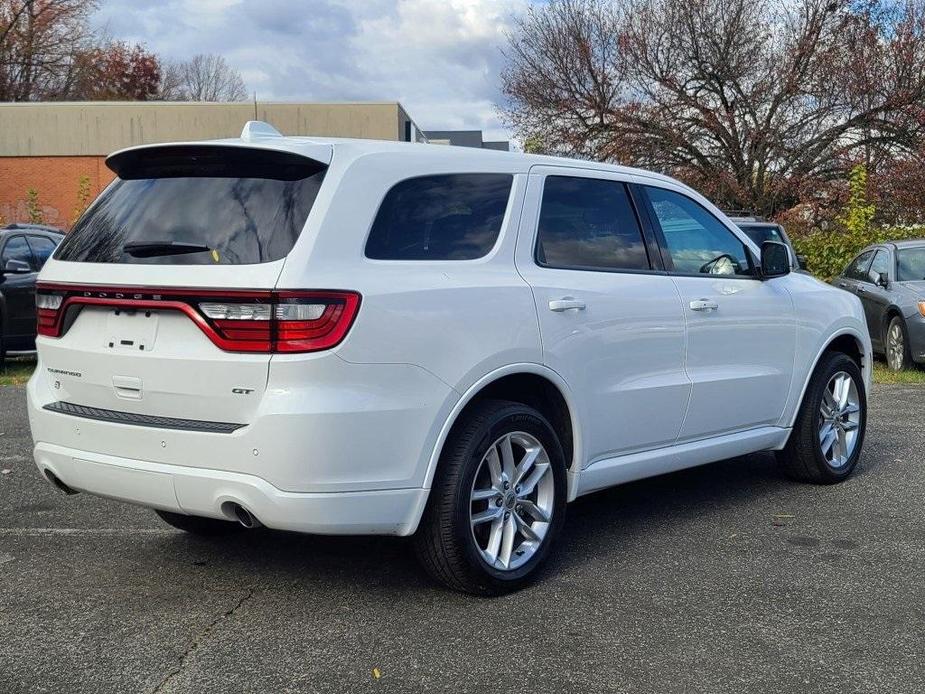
440	58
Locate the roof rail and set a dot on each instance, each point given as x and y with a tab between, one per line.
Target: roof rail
255	129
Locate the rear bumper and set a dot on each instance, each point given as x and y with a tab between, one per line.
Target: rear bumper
205	492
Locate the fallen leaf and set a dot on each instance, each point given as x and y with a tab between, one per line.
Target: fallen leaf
376	673
6	471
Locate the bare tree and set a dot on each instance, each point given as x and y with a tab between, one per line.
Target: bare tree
754	100
41	44
204	78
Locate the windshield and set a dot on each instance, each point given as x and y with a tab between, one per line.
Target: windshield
910	264
197	206
759	233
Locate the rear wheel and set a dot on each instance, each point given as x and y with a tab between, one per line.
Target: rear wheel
198	525
898	354
826	441
498	501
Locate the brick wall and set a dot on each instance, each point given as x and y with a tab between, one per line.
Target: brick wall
57	181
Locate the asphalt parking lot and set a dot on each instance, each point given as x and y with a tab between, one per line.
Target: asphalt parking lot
726	578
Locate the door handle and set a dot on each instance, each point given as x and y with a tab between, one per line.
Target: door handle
861	290
704	305
843	285
566	304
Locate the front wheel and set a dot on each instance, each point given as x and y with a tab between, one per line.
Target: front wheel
498	501
826	440
898	354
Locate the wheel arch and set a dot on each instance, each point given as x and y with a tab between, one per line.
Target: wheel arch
893	311
847	341
531	384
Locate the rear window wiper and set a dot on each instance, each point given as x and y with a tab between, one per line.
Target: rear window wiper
150	249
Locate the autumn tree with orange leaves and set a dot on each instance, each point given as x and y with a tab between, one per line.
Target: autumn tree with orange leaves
759	103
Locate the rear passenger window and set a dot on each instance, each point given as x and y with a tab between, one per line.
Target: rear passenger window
588	223
857	270
445	217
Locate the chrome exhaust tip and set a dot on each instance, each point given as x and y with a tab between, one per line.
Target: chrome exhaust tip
245	517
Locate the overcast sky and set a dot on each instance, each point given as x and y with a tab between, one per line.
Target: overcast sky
440	58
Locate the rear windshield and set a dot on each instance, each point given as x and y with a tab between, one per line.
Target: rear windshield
759	234
197	206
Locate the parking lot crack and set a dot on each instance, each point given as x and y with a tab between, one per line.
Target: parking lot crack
199	639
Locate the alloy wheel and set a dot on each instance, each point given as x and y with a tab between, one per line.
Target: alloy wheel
895	347
512	501
839	419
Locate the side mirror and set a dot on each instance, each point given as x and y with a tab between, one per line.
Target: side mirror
17	267
883	280
802	262
775	260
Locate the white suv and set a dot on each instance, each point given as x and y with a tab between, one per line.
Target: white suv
353	337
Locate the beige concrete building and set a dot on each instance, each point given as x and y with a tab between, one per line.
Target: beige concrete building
58	149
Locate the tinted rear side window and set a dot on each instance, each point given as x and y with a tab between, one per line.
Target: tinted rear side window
213	205
445	217
588	223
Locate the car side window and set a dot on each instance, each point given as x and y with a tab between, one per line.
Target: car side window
697	242
881	265
588	223
16	248
443	217
42	248
857	268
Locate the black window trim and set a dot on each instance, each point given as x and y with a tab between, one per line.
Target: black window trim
663	243
505	220
656	265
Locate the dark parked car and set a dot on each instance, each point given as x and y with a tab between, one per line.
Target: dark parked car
760	230
889	278
24	248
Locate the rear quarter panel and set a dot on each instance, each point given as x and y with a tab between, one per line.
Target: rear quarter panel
456	319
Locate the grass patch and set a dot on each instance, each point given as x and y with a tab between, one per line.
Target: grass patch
16	370
913	376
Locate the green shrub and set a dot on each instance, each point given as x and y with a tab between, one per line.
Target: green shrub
33	208
828	252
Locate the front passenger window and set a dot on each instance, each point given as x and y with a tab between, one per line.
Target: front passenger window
16	249
880	266
697	242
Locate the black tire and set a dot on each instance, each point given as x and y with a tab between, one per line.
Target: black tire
444	542
198	525
903	362
803	458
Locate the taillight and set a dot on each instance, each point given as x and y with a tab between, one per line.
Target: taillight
307	322
236	321
47	305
